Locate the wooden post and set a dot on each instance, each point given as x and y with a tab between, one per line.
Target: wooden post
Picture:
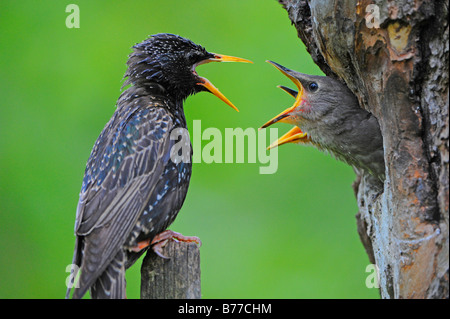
174	278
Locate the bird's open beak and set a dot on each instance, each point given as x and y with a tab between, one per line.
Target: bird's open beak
298	97
207	84
295	135
289	91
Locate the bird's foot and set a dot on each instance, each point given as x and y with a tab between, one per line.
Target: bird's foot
160	240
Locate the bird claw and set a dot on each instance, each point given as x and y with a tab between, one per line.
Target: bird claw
169	234
157	248
161	240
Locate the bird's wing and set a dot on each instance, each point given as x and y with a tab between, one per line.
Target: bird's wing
123	169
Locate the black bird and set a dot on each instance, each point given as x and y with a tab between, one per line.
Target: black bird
132	189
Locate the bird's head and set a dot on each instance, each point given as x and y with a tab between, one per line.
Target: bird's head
317	99
169	61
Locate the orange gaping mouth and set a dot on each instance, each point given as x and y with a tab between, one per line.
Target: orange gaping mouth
295	135
298	98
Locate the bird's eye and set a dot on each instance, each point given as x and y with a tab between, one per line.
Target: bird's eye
190	56
194	57
313	86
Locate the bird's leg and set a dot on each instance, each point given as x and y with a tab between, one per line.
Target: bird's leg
160	240
140	245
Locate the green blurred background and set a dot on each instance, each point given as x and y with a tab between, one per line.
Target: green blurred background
287	235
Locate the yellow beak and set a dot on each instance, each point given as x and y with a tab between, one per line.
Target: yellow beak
207	84
295	135
298	99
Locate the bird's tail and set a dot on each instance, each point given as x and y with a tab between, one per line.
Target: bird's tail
111	284
76	260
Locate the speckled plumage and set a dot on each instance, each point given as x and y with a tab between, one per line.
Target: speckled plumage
131	189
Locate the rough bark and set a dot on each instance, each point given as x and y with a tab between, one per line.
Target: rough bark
399	72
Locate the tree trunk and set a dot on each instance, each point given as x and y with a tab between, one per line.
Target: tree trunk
393	55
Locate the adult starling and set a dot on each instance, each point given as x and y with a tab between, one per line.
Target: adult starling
132	189
327	115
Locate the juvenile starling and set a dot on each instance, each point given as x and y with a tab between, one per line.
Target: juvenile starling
132	190
327	115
